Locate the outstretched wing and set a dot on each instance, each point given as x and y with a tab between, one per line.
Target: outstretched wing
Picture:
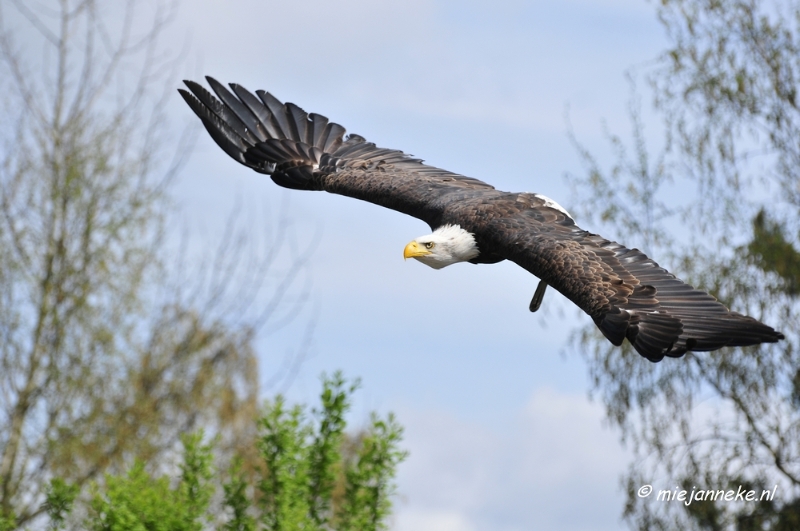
308	152
626	293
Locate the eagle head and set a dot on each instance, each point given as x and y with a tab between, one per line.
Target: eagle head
449	244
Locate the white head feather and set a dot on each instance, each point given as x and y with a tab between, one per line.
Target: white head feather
449	244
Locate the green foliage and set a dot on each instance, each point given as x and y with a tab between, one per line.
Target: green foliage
304	457
138	501
366	501
286	487
325	451
8	523
236	500
773	252
311	476
302	463
196	475
60	497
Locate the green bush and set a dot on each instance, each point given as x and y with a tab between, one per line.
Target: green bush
310	475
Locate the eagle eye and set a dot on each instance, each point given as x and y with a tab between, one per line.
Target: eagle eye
429	245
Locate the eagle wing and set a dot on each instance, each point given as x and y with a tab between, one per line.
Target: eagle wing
308	152
627	294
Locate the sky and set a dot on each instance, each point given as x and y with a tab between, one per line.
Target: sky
500	429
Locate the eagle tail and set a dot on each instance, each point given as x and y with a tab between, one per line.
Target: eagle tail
730	330
656	335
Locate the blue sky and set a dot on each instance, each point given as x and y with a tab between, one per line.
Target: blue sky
500	431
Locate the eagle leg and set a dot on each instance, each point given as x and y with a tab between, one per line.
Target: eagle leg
538	296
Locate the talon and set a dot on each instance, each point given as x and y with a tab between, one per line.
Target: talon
538	296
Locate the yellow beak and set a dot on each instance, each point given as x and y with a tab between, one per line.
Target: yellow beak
414	250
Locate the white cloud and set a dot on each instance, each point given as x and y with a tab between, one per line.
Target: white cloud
553	466
422	520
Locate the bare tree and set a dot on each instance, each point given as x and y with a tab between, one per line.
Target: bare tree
727	87
101	358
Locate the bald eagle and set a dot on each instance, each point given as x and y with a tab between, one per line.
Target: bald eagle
626	293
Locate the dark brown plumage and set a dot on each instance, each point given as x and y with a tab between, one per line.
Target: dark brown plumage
626	293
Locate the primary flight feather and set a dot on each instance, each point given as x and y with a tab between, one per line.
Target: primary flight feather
626	293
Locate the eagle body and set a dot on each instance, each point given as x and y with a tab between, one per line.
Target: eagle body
627	294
